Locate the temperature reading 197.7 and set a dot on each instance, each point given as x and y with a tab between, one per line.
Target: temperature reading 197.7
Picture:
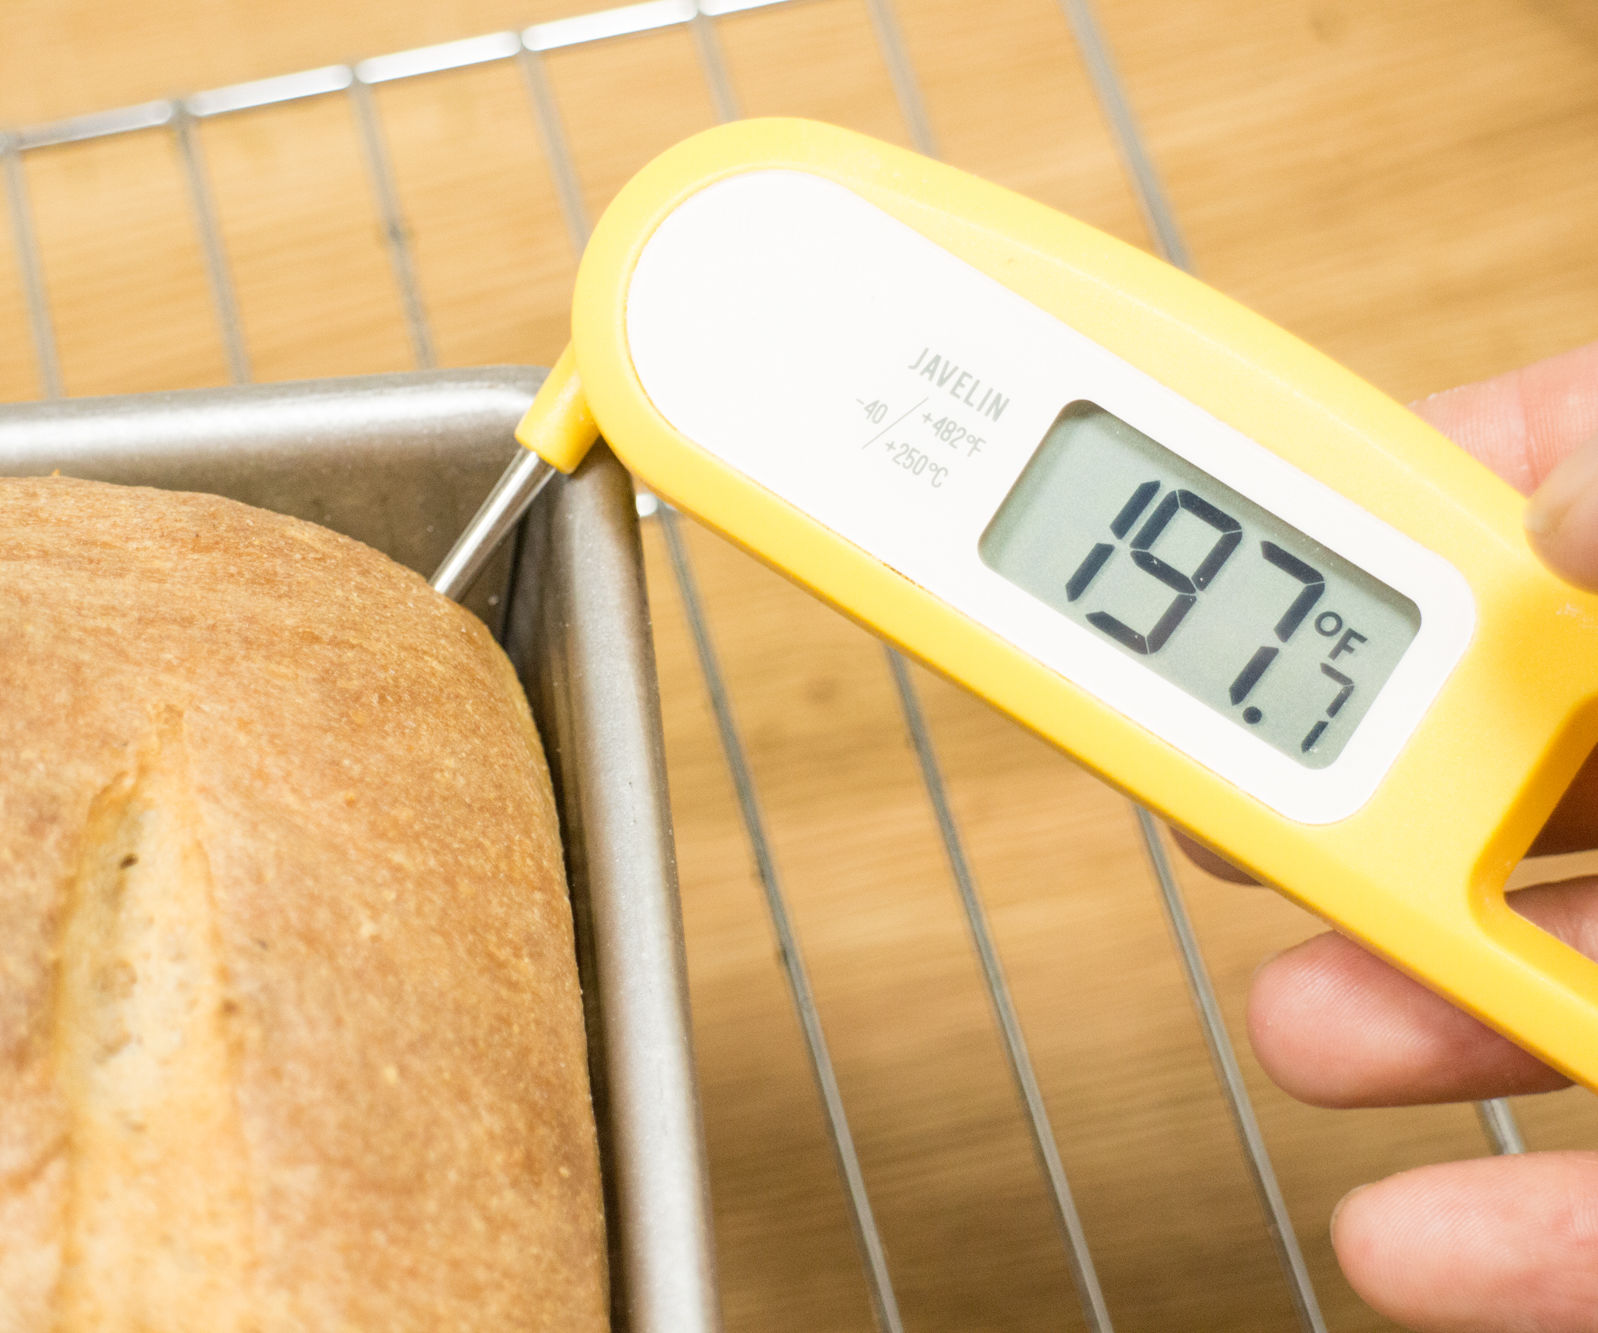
1188	586
1210	590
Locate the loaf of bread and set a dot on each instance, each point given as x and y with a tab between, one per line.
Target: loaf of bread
290	1034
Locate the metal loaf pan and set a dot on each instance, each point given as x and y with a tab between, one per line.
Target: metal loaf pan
401	462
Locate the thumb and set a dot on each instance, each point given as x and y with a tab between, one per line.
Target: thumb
1562	518
1521	425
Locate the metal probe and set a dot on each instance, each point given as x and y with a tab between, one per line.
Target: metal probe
564	430
513	493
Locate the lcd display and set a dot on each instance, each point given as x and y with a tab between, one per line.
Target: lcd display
1214	593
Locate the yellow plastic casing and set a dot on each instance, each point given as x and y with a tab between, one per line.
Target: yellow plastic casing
1417	873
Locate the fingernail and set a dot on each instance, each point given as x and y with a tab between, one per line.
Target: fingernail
1575	476
1562	518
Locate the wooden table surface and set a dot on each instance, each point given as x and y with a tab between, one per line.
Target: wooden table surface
1409	185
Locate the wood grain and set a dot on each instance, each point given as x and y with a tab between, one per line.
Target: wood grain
1407	186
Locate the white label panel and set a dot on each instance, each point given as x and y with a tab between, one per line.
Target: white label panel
840	359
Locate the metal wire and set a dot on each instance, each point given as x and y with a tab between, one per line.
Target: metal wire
217	274
1084	1274
380	169
40	326
712	61
1089	1290
1086	1277
1224	1056
1168	240
1108	88
901	73
1081	1261
1499	1124
603	24
867	1237
552	134
886	1306
99	125
253	96
462	54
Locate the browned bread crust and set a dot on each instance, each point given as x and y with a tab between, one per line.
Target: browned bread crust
290	1036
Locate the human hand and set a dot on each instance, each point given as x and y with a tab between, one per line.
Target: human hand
1506	1243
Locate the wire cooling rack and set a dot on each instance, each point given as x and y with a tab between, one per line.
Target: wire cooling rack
529	50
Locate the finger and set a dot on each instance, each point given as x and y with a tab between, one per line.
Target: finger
1573	826
1562	519
1500	1244
1538	428
1336	1026
1208	860
1521	424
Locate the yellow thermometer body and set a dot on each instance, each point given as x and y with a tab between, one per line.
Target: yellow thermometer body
1218	569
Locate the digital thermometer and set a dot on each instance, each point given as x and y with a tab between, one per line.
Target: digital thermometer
1222	572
